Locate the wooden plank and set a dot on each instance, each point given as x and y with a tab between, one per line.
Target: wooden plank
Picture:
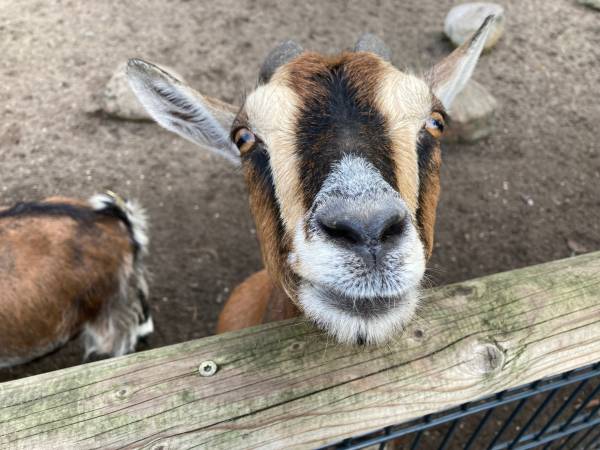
284	385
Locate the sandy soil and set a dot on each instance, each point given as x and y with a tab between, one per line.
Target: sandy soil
513	200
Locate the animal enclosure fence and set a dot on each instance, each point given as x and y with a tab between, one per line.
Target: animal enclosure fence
561	415
283	385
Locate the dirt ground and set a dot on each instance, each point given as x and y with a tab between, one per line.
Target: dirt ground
525	195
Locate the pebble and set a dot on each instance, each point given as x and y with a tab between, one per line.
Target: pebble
472	114
463	20
527	199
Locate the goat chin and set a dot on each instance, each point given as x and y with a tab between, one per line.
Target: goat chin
348	326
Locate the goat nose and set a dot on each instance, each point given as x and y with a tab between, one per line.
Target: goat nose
369	235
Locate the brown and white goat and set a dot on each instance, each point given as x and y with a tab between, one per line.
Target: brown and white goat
341	156
69	267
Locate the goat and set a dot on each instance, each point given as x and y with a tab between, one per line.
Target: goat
70	267
341	156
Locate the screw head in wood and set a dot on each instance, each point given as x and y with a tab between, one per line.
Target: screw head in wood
208	368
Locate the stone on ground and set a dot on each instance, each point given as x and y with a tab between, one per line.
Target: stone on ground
594	4
472	114
463	20
119	101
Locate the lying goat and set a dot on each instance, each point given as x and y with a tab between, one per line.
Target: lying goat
69	267
341	155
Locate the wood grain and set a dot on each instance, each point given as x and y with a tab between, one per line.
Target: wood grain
284	385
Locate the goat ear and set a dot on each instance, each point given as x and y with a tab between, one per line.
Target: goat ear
449	76
180	109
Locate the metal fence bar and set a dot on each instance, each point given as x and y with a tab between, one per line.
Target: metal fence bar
448	435
415	443
386	433
583	405
532	437
584	436
595	439
533	417
594	411
578	410
480	427
578	422
507	423
560	434
562	409
576	427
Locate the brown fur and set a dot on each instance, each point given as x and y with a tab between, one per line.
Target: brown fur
404	101
299	80
56	276
247	304
274	243
257	300
428	200
295	84
364	71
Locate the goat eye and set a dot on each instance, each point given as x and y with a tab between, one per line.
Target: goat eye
435	125
244	139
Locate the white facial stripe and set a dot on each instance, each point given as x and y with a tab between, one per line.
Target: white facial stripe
405	101
351	177
272	111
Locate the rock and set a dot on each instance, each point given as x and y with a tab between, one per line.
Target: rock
472	114
576	247
594	4
527	199
463	20
119	101
369	42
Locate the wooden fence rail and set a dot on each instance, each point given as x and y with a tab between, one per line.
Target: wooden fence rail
284	385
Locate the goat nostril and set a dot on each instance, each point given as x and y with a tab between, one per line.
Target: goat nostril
340	230
358	232
392	228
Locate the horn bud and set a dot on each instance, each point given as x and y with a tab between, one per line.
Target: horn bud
284	52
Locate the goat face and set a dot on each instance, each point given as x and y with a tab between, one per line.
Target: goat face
341	156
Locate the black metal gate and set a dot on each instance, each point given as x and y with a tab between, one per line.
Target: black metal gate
559	413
